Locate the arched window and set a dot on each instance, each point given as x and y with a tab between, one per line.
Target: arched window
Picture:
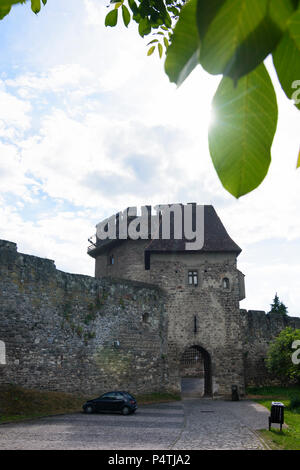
225	283
2	353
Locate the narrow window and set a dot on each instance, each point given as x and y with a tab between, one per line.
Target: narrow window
195	324
111	260
145	317
193	278
225	283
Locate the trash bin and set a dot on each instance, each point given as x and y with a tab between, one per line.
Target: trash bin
235	393
277	414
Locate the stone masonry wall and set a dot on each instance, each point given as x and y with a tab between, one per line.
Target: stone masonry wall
128	261
59	329
258	330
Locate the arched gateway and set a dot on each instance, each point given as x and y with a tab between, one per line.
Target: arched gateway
195	372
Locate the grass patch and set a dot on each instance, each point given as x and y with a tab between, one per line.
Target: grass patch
17	403
275	393
289	437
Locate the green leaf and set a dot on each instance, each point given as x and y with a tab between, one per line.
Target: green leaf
111	18
298	162
242	131
160	49
125	15
5	6
151	50
44	2
166	43
144	27
286	59
35	5
237	35
133	6
4	10
151	42
183	52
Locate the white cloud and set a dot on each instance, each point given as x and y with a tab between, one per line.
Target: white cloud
61	237
93	122
14	115
262	282
62	78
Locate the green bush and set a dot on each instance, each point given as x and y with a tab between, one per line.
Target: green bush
295	403
279	361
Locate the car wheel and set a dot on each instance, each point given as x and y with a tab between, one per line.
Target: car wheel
89	409
125	410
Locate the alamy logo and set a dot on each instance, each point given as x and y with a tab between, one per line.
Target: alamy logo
296	354
296	94
188	224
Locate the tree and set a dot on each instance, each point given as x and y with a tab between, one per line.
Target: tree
280	356
278	307
231	38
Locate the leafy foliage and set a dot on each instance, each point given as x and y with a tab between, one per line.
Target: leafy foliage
232	38
5	6
152	16
279	360
295	403
278	307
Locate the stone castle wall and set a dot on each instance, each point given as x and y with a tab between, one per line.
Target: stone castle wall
62	331
258	330
59	329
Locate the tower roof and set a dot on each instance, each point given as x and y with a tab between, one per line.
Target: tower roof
216	238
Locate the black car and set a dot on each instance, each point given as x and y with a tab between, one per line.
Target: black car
118	402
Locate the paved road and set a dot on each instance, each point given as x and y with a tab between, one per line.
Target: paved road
188	425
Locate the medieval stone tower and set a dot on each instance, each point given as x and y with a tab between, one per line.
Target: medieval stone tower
202	292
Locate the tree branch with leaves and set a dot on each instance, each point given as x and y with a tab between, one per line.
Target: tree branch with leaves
231	38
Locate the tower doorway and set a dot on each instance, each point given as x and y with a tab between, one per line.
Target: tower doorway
195	372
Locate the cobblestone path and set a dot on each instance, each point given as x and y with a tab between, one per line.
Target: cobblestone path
192	424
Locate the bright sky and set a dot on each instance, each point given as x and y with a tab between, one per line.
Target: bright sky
90	125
